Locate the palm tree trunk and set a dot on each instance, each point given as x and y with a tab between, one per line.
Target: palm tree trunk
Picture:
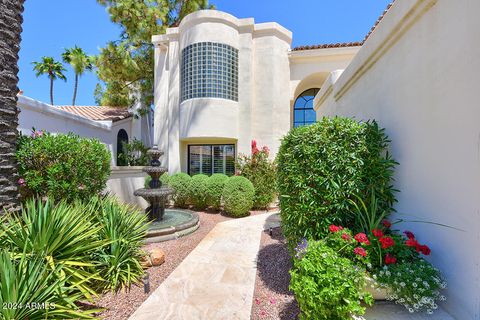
75	89
51	90
10	30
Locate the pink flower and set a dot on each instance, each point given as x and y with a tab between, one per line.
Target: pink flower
254	147
346	237
360	251
266	150
257	301
272	301
21	182
333	228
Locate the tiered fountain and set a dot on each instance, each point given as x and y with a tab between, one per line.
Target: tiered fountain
165	224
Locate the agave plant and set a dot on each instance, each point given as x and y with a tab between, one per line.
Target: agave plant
64	234
29	289
124	228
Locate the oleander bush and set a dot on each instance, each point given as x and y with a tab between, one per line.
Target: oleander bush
198	191
258	168
124	228
180	183
326	285
324	168
63	166
238	195
215	185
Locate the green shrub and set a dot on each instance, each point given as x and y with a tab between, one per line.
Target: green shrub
261	172
125	229
64	234
135	154
215	185
163	179
327	286
238	195
323	167
198	191
28	279
62	166
180	183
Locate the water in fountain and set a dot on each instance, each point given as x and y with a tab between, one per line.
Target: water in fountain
157	194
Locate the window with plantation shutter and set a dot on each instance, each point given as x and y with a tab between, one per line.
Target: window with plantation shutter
209	159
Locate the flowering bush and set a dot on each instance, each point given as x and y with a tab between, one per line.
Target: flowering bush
261	172
62	166
394	261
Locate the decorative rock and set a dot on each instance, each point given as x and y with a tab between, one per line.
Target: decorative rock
157	257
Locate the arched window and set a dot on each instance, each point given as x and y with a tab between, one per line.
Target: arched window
122	139
303	113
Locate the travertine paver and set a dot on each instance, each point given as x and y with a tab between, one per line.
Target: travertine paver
216	280
390	311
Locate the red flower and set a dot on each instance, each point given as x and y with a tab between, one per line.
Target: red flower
377	233
387	242
424	249
362	238
412	242
386	223
389	259
360	251
333	228
409	234
254	147
346	237
266	150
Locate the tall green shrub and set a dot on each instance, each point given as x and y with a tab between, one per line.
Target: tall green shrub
198	191
238	195
63	166
215	185
180	183
322	168
261	172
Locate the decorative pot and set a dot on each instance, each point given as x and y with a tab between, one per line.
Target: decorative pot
376	291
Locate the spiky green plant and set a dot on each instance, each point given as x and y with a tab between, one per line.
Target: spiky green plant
124	228
65	234
30	289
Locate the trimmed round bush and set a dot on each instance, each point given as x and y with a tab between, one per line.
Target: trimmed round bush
323	169
62	166
198	191
180	183
215	185
238	195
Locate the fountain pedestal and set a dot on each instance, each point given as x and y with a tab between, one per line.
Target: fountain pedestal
157	194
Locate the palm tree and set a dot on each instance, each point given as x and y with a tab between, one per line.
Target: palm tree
53	69
80	63
10	30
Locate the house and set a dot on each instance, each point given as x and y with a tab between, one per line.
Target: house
221	82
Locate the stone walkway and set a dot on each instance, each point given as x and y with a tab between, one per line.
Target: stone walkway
216	280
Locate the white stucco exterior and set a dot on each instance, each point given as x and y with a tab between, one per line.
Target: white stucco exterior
416	75
270	78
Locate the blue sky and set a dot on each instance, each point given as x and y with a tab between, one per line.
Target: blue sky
50	26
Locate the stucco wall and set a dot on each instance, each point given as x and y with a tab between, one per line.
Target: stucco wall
417	76
123	181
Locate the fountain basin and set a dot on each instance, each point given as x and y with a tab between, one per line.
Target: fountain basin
176	223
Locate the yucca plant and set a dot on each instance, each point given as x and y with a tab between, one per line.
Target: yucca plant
30	289
368	216
124	228
65	234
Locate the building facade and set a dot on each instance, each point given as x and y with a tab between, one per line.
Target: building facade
221	82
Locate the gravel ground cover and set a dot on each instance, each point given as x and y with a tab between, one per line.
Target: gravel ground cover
121	305
272	299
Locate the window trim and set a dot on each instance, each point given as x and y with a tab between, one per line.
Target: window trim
211	145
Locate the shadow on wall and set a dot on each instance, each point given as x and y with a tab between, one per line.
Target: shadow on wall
123	184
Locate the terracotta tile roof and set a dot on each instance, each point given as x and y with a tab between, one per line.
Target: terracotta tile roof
98	113
346	44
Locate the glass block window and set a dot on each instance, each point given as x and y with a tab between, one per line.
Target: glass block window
303	113
209	70
210	159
